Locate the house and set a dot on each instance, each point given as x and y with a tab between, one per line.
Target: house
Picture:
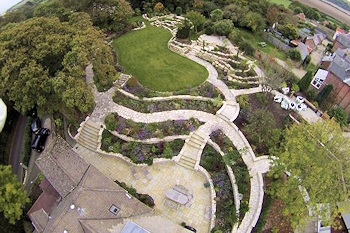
335	70
342	41
77	198
301	17
313	41
339	31
303	50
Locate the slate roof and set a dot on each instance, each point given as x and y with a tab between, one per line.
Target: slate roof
302	48
340	67
344	39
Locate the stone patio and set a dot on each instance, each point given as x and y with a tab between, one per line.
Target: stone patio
165	176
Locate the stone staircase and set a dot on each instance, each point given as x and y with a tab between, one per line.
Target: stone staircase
190	153
123	78
229	111
89	135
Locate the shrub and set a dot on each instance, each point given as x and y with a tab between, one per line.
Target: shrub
305	81
294	55
178	10
324	93
223	27
111	122
209	30
144	198
340	115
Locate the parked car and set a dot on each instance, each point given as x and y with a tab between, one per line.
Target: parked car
190	228
38	143
36	125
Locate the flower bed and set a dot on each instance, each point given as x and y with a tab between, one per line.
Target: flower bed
144	198
142	131
139	152
166	105
205	89
226	216
239	168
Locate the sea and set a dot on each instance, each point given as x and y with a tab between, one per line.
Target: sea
7	4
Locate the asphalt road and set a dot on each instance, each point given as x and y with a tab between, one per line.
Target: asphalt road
18	146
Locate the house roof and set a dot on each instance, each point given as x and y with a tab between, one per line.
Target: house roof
302	48
340	67
96	204
47	200
301	16
344	39
154	224
62	166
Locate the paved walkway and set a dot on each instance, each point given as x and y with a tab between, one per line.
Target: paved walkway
165	177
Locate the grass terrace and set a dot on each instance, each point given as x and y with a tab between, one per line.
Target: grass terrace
145	55
285	3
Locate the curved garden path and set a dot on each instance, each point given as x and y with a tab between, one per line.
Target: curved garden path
222	121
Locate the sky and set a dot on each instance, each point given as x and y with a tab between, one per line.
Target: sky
6	4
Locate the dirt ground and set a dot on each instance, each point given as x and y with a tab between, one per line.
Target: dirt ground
328	9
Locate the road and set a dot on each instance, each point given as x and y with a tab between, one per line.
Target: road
18	146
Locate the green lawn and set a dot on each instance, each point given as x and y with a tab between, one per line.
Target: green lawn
255	39
285	3
145	55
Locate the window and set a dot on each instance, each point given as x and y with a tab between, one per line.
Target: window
114	209
317	82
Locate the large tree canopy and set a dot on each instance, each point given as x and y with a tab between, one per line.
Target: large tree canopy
12	196
317	159
43	61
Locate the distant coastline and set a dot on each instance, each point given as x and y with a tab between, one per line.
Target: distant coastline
7	5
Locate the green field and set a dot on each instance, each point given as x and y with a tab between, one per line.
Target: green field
285	3
145	55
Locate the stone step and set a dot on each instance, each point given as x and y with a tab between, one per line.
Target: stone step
194	144
87	139
93	125
89	130
88	145
186	164
197	139
190	151
188	159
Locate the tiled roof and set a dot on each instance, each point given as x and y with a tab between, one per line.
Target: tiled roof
62	166
340	67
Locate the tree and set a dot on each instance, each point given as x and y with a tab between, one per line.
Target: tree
289	31
183	30
178	10
273	15
324	93
159	7
340	115
223	27
316	157
196	18
305	81
294	54
262	131
112	15
274	76
307	61
43	64
255	21
13	196
216	15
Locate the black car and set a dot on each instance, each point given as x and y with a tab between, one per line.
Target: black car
36	125
38	143
190	228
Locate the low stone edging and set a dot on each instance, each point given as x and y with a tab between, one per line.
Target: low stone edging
174	97
213	196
